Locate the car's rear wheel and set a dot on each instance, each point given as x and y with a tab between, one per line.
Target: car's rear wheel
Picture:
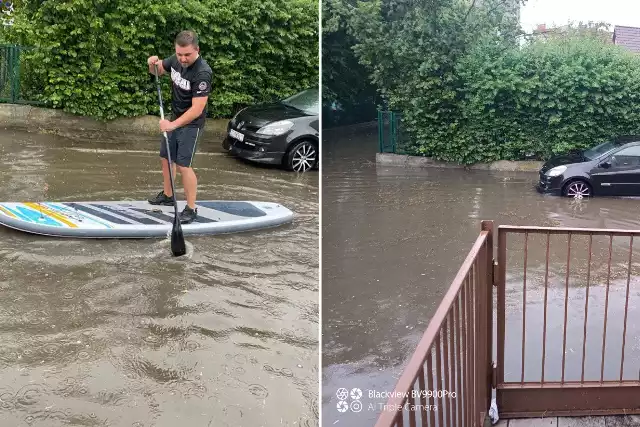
302	156
577	189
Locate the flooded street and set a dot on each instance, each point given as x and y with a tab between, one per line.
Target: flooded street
394	238
120	333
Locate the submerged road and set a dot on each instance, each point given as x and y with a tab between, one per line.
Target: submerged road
393	240
120	333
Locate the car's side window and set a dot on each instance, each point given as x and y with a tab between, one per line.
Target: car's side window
629	156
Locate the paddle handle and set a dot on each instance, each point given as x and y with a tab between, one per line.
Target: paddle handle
160	96
166	139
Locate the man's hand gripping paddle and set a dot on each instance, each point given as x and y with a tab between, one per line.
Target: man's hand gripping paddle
178	246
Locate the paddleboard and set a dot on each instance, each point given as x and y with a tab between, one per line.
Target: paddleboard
138	219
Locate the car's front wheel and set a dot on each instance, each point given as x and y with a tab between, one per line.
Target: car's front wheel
577	189
302	156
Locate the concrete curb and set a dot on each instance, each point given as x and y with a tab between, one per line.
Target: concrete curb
45	120
388	159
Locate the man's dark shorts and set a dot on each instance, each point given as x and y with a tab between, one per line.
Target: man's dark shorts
183	143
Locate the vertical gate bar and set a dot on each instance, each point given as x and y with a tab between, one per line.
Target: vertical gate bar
477	345
626	306
380	134
544	322
465	351
524	304
448	334
423	399
440	379
488	335
472	343
414	401
12	62
392	121
483	332
16	73
606	308
456	315
477	342
586	308
390	130
566	305
470	370
481	363
432	418
18	54
395	132
502	276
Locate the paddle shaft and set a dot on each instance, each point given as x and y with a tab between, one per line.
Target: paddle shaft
166	139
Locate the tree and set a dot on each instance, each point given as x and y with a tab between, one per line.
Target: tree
344	79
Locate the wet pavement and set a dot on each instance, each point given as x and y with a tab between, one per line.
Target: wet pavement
120	333
393	240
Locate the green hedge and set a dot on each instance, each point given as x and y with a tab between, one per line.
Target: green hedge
545	99
469	92
91	54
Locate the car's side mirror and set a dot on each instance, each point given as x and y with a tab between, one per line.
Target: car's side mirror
606	164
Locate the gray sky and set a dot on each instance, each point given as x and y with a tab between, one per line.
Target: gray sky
614	12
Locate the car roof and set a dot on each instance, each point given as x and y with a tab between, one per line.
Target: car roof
629	144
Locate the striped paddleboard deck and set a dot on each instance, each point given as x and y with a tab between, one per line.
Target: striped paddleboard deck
138	219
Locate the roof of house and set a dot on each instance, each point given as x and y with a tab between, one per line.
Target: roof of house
628	37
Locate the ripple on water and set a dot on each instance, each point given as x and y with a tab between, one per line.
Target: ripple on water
258	391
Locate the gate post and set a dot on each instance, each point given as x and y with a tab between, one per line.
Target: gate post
487	225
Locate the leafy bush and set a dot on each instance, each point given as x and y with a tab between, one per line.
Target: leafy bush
468	91
91	54
545	99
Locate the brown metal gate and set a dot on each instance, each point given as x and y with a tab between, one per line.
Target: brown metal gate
449	379
605	269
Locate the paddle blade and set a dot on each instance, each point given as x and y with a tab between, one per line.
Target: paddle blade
178	246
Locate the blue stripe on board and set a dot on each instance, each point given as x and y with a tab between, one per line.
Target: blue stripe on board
234	208
36	217
73	214
16	213
97	213
141	219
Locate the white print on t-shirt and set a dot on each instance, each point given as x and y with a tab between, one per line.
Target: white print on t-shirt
179	81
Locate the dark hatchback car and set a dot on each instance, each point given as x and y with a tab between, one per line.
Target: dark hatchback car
609	169
284	133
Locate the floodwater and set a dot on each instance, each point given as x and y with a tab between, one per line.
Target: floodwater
394	239
120	333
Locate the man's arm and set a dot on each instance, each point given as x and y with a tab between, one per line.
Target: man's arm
197	106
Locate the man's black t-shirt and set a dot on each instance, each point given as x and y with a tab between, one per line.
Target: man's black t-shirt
188	83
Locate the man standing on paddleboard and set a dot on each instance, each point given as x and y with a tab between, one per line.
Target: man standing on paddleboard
191	77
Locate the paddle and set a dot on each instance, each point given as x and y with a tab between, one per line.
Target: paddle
178	247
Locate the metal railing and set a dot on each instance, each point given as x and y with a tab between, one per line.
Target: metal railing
391	136
458	337
13	74
583	284
535	293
